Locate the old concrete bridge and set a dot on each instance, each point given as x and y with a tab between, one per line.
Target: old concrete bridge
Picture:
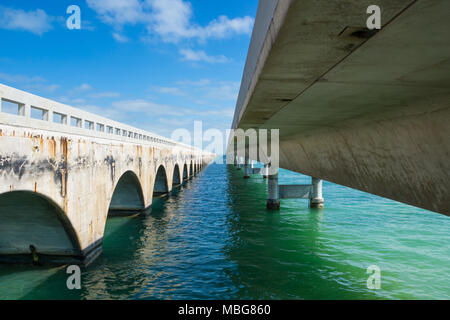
63	170
362	108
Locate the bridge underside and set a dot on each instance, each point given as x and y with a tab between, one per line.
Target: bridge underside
365	110
28	219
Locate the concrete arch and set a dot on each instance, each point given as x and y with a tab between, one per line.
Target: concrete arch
32	219
160	187
176	179
128	196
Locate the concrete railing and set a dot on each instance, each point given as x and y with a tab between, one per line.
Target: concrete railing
22	109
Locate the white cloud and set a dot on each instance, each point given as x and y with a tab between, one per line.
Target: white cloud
174	122
120	38
83	87
43	87
147	107
37	21
104	95
205	90
200	55
169	19
174	91
226	91
200	83
29	83
119	12
78	101
224	27
152	109
18	78
70	101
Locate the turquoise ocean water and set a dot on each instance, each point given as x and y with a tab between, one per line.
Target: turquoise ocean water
214	239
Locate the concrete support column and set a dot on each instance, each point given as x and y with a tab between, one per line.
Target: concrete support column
273	193
27	111
247	169
265	171
47	115
239	163
316	200
21	111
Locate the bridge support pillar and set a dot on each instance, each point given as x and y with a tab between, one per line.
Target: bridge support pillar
316	200
239	163
265	171
247	168
273	193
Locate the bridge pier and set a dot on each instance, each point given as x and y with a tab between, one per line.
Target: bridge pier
247	168
316	200
273	193
239	163
265	171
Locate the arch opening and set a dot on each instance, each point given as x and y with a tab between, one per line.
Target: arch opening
176	181
127	197
191	169
35	229
185	172
161	187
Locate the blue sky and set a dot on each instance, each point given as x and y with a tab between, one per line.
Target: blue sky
155	64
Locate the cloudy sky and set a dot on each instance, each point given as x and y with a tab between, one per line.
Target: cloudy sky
156	64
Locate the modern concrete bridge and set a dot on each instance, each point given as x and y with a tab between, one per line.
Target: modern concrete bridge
364	109
62	170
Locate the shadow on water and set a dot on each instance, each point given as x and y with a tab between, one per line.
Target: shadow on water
129	244
279	254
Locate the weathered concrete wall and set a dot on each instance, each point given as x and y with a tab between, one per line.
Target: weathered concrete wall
406	159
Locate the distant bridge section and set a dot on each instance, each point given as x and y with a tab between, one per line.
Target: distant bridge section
365	109
62	170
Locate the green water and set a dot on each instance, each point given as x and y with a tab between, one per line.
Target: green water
214	239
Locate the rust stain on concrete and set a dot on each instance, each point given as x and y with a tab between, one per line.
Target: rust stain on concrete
52	148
